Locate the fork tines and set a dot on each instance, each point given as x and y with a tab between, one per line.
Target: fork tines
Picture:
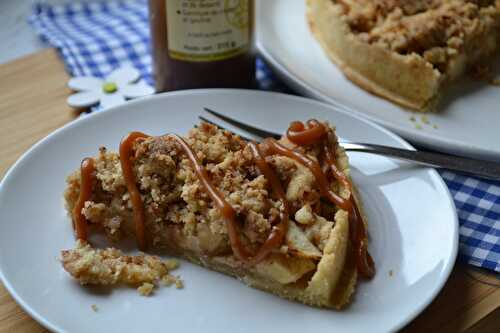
240	125
222	127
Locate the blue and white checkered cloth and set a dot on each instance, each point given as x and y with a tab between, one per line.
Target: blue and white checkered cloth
96	37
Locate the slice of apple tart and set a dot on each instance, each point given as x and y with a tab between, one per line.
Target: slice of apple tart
280	215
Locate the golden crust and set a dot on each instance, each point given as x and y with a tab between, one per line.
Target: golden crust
331	285
313	266
394	48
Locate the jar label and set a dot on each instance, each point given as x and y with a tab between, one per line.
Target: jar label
207	30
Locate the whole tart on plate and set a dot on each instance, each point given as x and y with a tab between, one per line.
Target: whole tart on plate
281	215
406	51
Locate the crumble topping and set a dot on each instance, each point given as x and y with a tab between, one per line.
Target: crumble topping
169	280
437	30
173	195
146	289
305	215
110	267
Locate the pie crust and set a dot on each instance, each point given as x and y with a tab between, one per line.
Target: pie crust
405	51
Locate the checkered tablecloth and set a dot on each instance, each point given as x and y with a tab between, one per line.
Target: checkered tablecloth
96	37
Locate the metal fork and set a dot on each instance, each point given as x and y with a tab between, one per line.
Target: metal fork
484	169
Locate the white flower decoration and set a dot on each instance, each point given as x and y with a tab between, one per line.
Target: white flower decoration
122	84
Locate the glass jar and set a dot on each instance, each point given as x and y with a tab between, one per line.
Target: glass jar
202	43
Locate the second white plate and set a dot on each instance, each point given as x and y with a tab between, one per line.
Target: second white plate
467	124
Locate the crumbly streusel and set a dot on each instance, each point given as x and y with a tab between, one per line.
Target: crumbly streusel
435	29
110	267
173	194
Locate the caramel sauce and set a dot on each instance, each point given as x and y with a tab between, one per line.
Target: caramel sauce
174	74
278	231
273	147
298	133
87	170
126	151
228	213
315	131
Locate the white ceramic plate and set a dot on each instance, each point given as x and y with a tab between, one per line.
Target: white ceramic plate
412	224
467	123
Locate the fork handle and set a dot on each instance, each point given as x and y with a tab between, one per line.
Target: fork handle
485	169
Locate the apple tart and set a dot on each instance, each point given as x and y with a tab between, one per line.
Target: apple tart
280	215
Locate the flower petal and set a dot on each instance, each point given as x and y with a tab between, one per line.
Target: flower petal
83	99
110	100
85	83
137	90
123	75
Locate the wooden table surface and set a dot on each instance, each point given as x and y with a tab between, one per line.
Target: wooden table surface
32	104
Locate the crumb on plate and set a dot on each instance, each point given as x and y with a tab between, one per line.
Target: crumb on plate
146	289
111	267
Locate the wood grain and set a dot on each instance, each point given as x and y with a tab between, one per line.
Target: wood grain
463	302
32	104
33	96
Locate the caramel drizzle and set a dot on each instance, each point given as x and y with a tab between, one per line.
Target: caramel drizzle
228	213
126	151
314	133
278	231
297	133
87	169
273	147
359	237
300	135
